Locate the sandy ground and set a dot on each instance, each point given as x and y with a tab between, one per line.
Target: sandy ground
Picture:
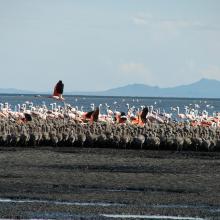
84	183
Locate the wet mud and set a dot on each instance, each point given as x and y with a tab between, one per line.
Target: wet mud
96	183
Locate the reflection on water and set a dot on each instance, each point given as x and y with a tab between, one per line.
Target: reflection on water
106	204
62	215
150	217
109	204
103	204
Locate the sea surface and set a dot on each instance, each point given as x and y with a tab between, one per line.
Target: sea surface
117	103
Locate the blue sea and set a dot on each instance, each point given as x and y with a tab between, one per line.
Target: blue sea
117	103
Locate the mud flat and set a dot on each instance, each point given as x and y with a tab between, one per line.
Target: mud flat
98	183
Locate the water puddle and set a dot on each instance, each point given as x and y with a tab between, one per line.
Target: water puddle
150	217
109	204
102	204
212	208
106	204
61	215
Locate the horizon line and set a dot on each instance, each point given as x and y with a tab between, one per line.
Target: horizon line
105	90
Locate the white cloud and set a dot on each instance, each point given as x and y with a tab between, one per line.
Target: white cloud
132	68
139	20
142	19
212	72
191	64
149	21
135	72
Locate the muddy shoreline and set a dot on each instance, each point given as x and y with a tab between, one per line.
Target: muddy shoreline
83	183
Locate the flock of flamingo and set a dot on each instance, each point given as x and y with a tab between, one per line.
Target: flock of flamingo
145	127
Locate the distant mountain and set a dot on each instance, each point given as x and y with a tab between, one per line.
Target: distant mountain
204	88
15	91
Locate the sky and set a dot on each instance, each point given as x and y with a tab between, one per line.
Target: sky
95	45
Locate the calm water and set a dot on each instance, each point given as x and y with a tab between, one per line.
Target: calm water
117	103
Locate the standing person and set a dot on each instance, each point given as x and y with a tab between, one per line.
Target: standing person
58	90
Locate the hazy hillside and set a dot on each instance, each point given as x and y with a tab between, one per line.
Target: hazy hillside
15	91
204	88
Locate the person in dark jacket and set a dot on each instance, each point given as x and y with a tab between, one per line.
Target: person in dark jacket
58	89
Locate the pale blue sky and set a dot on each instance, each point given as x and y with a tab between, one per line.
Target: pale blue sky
100	44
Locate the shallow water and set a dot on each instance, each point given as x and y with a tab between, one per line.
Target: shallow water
106	204
55	215
151	217
116	103
102	204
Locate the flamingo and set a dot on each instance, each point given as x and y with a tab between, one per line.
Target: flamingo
92	105
180	115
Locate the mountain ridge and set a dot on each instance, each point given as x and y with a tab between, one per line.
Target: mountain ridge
204	88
